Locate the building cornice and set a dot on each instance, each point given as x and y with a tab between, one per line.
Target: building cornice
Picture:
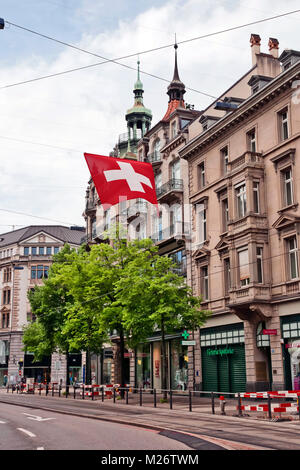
247	108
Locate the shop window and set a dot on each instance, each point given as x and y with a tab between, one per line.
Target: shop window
143	366
179	365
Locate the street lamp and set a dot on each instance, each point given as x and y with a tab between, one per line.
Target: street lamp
1	23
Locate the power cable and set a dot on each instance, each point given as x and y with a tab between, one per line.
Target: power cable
234	28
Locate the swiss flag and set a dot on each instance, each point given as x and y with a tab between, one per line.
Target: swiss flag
118	179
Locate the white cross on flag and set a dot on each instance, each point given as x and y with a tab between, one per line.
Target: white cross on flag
117	179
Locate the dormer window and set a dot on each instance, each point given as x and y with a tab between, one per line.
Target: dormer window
257	82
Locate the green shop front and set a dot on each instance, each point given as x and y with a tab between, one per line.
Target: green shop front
149	359
290	329
223	359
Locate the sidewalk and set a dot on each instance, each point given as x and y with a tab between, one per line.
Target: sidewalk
249	431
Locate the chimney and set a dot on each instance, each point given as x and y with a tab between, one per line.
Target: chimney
255	46
273	47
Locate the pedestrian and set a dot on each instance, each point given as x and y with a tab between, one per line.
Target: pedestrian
5	380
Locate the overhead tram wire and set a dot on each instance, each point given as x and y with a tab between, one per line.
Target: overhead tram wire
136	53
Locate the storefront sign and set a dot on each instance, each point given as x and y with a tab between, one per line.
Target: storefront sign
269	332
292	345
219	352
185	334
189	343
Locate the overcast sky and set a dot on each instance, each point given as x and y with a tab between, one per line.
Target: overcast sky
46	125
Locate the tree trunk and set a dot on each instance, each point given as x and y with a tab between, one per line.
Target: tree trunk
88	367
163	365
122	366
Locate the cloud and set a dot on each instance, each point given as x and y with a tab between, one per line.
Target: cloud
47	125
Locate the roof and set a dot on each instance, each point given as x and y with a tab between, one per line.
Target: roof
64	234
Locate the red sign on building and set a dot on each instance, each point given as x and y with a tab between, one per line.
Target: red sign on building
269	332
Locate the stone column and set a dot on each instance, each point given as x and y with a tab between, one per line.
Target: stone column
276	353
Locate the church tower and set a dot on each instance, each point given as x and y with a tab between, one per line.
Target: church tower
138	122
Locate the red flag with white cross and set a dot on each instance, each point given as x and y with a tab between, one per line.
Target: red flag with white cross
117	179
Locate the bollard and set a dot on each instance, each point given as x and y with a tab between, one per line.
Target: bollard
114	394
59	390
190	400
269	408
53	389
127	396
213	403
171	399
92	392
47	389
240	405
154	397
222	405
141	396
102	393
40	390
33	388
298	402
74	392
83	392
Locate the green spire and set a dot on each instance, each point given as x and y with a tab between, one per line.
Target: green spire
138	84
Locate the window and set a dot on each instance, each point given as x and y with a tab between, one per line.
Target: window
179	259
33	250
173	129
41	250
283	125
204	282
158	180
241	202
7	275
201	175
156	148
251	137
287	182
293	258
227	276
259	264
26	250
225	215
202	223
175	170
5	320
56	250
224	160
244	267
6	296
39	272
256	202
49	250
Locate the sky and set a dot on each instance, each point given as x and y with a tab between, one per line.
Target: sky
46	125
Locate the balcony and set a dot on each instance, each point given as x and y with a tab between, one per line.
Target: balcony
91	206
249	294
168	190
135	210
154	158
178	230
246	159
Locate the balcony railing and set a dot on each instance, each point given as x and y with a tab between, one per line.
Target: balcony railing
173	185
124	137
154	157
138	207
245	159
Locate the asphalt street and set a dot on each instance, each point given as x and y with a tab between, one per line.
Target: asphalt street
34	429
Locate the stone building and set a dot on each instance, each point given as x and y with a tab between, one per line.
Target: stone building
243	160
25	258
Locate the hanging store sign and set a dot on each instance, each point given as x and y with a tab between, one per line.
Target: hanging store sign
269	332
189	343
219	352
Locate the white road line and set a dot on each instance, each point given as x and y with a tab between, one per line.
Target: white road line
30	434
40	448
2	422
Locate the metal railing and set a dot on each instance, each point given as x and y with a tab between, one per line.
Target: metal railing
171	185
190	400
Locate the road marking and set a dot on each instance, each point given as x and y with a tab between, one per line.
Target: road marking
36	418
40	448
30	434
2	422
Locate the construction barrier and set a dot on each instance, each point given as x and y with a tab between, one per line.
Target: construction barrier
271	394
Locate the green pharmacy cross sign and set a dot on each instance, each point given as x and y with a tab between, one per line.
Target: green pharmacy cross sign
185	334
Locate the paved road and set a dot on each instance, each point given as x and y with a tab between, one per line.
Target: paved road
33	429
227	432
